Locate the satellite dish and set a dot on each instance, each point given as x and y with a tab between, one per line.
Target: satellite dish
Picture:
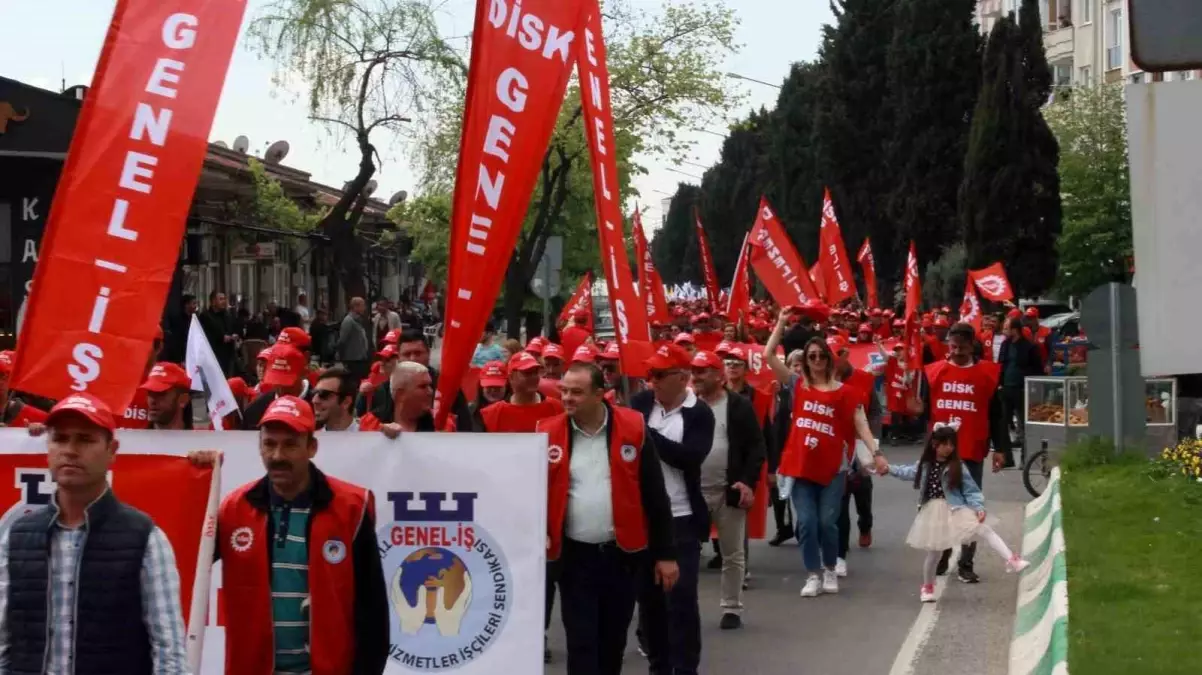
276	152
370	187
221	144
241	144
398	198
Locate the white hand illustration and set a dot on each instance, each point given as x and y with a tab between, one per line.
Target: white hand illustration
448	620
412	616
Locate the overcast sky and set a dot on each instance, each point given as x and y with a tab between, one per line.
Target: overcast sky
43	42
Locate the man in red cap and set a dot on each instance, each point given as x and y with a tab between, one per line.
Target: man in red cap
576	333
88	584
284	376
729	475
16	413
521	413
1038	333
305	589
682	429
169	397
704	335
687	342
609	362
137	414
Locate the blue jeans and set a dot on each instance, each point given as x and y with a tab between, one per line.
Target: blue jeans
817	508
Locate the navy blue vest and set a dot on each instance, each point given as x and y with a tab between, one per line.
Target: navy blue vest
110	633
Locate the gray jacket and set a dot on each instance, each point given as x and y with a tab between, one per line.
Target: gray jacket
352	340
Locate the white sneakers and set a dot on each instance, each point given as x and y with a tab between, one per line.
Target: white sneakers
1016	564
827	583
840	567
812	588
830	581
927	593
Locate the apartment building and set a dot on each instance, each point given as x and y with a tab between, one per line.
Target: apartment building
1087	41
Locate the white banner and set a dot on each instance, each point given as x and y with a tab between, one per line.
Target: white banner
476	501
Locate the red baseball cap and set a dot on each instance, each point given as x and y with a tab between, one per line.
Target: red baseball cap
893	343
83	405
292	412
585	354
238	387
836	342
494	374
535	346
580	316
264	354
864	328
389	351
941	321
285	365
523	362
701	317
683	339
1014	314
898	323
669	357
7	358
705	359
875	311
165	376
297	337
723	347
392	337
1033	312
552	351
611	352
736	352
927	322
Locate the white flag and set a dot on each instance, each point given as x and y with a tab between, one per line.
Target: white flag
207	375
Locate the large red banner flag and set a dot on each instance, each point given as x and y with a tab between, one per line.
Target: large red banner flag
912	284
819	280
651	287
738	304
713	289
516	85
992	283
836	268
777	264
868	267
582	299
630	317
112	240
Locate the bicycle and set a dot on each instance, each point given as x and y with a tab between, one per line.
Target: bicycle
1037	472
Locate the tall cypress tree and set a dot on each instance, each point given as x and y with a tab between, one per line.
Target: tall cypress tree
934	78
795	185
674	248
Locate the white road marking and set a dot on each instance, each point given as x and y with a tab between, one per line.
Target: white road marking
921	630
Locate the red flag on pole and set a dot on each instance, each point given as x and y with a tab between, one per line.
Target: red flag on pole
970	307
838	283
912	285
113	236
819	280
514	94
651	287
581	300
777	264
739	301
712	287
630	317
992	283
868	267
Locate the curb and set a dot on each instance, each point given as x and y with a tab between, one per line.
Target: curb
1040	642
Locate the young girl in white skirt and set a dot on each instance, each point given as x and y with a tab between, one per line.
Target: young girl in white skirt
951	508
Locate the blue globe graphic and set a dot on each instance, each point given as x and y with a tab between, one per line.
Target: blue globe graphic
433	567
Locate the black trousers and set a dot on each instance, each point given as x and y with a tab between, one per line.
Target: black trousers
860	489
969	551
670	623
552	580
1012	408
598	585
780	510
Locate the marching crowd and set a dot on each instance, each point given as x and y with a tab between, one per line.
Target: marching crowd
641	473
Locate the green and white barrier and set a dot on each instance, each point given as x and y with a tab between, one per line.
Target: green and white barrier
1040	642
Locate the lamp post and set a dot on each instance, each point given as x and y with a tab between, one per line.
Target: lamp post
752	79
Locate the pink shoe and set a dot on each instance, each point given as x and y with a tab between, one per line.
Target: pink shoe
927	594
1016	564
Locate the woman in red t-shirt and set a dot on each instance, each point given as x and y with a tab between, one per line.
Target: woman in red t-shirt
826	420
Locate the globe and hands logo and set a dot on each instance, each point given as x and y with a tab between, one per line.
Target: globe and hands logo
431	586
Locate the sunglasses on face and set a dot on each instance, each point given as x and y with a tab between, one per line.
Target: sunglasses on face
323	394
816	357
733	363
662	374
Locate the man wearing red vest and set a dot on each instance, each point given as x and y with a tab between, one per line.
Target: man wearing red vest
859	483
962	392
300	570
608	519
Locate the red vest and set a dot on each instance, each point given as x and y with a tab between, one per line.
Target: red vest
242	540
896	391
987	345
137	413
961	395
626	434
507	418
823	433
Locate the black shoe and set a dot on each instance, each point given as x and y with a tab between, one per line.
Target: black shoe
967	575
715	563
941	568
546	651
730	621
781	537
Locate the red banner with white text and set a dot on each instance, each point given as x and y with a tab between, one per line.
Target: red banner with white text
651	286
836	268
993	283
738	304
913	290
516	85
777	264
630	317
868	268
713	288
581	300
112	239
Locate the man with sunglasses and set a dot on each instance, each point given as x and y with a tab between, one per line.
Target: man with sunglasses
333	400
681	427
609	363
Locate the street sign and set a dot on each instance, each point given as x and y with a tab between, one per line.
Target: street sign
1116	387
1164	34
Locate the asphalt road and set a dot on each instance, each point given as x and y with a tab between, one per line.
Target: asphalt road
862	630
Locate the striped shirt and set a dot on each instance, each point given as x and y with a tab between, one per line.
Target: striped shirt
160	602
290	583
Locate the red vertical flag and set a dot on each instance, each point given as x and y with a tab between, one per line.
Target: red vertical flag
739	301
712	287
913	288
582	299
516	84
630	317
970	307
819	280
113	236
836	267
651	287
868	267
777	264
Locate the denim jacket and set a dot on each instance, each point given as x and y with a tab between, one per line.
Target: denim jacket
969	495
